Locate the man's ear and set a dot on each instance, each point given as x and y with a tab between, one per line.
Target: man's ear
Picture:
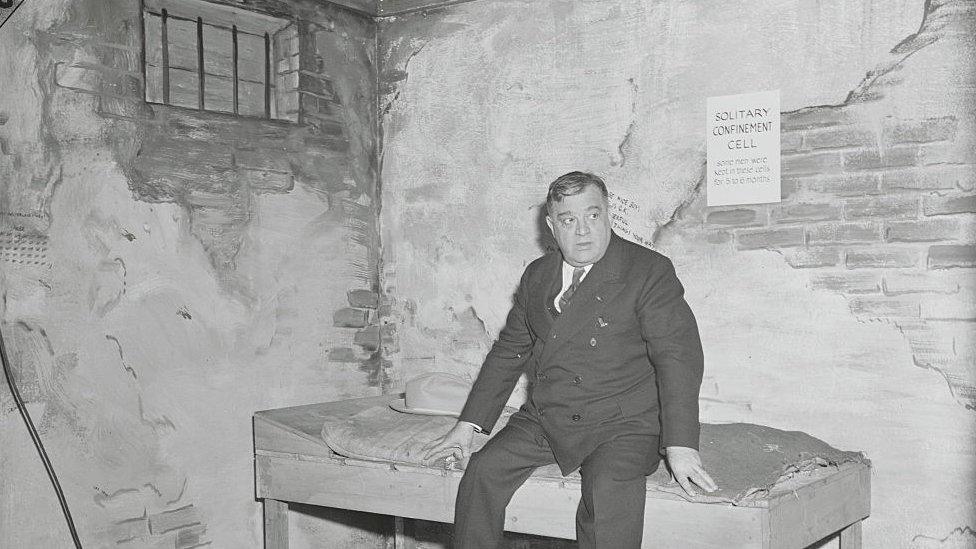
549	223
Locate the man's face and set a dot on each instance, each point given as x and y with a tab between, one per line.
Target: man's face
581	226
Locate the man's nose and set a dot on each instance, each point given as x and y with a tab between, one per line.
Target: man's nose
583	227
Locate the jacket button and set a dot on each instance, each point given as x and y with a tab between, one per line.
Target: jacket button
554	336
578	379
577	417
592	342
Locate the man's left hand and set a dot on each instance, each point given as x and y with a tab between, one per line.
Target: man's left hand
686	468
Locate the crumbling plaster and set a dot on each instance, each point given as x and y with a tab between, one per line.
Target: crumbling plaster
485	103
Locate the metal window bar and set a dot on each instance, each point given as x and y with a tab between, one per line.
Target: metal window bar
142	54
235	84
200	75
165	46
267	75
193	20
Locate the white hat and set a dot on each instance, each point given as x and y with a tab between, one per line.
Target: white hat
434	394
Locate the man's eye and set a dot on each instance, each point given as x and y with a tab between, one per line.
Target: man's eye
567	220
594	216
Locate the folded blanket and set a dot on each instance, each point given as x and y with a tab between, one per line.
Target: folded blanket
746	460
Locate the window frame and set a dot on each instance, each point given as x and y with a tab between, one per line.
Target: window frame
277	93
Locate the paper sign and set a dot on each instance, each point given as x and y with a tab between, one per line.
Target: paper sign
743	149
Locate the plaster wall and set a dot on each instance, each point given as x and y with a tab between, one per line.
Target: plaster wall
845	311
165	272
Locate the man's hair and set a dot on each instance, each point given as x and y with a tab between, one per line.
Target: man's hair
571	184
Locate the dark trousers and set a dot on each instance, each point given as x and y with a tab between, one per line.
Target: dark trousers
614	480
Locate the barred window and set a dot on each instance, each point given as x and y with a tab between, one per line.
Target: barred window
218	58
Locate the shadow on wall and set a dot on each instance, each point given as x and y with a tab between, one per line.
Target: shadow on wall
543	237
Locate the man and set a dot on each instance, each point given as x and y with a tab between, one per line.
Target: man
613	354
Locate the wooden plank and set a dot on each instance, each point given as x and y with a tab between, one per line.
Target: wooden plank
817	509
216	14
275	524
272	436
850	537
542	507
367	7
386	8
402	534
307	419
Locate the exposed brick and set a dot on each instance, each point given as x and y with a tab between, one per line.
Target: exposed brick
271	159
840	137
844	233
809	258
956	307
881	259
268	181
848	283
953	204
368	338
160	523
895	157
951	255
125	109
718	237
741	217
350	318
96	79
122	85
189	537
363	298
790	141
932	230
902	282
344	354
882	206
74	77
929	346
885	307
769	238
919	131
388	337
130	529
929	178
800	212
815	117
812	163
947	152
845	185
788	186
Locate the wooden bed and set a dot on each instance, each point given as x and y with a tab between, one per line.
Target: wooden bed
294	465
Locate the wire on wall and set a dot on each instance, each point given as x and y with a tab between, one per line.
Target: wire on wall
7	372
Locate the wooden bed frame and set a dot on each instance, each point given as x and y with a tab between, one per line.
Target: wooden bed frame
294	465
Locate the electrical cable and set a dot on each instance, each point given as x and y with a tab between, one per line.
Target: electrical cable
7	372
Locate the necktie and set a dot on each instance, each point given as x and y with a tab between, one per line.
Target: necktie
564	299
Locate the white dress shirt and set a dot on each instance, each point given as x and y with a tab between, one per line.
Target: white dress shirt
568	280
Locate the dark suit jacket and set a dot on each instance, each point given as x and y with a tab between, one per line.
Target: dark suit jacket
624	358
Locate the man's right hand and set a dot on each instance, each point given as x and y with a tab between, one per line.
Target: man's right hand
455	446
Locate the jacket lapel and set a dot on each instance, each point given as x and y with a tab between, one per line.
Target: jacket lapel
541	312
602	282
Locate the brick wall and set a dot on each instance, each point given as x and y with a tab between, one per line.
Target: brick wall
880	207
885	216
214	173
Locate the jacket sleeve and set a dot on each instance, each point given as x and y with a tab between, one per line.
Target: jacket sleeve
674	347
502	366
